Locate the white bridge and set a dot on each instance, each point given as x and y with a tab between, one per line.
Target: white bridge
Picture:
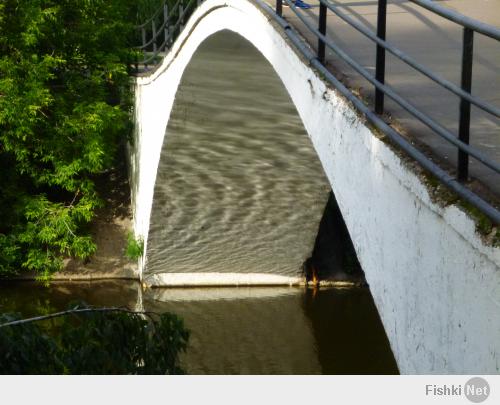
435	280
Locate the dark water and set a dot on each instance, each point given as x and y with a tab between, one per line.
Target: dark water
250	330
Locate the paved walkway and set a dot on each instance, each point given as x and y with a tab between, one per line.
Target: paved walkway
436	43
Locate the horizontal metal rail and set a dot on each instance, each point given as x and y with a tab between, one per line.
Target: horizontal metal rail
155	35
445	178
156	14
318	61
172	30
466	99
149	20
460	19
388	90
411	62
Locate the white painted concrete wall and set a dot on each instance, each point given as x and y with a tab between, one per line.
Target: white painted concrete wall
435	284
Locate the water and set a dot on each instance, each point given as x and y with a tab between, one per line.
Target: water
250	330
239	188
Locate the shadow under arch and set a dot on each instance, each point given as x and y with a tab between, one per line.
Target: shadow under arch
240	192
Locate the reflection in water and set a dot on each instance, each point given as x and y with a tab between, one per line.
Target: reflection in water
239	188
30	298
243	330
261	331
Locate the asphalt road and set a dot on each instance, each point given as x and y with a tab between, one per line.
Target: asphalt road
435	43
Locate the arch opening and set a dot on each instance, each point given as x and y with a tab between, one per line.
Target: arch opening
241	196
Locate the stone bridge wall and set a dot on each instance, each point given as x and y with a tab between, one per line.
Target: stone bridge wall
435	282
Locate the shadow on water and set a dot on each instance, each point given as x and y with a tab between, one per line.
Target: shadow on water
246	330
348	332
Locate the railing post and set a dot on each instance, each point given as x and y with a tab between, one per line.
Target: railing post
279	7
466	83
165	20
143	34
181	17
380	64
322	29
153	28
171	32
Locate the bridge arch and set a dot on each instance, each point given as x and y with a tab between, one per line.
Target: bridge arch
424	262
155	93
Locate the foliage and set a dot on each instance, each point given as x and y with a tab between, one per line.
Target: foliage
147	8
135	247
94	343
64	109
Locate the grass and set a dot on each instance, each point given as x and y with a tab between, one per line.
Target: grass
135	247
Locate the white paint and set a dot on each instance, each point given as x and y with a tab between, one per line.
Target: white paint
435	283
220	279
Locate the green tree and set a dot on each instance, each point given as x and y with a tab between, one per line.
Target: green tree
100	341
64	110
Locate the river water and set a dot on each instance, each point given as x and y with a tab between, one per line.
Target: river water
239	190
249	330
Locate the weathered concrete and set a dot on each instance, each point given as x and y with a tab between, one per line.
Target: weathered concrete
435	282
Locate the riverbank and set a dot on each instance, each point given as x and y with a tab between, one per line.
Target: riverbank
109	229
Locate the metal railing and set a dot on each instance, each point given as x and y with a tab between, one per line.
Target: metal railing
382	89
159	32
318	61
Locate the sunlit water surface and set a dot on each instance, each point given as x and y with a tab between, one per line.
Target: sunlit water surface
239	188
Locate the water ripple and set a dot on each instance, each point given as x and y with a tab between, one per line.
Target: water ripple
239	188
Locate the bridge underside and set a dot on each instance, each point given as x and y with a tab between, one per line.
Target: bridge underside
435	281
